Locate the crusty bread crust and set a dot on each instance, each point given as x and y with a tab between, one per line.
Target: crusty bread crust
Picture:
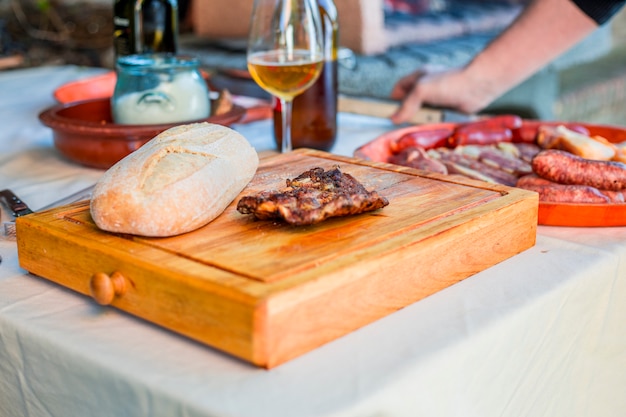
179	181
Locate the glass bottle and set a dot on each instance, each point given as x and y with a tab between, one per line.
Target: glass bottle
314	114
145	26
124	27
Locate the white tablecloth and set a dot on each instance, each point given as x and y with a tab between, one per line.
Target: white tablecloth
540	334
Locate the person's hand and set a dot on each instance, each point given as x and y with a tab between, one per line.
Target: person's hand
452	89
527	45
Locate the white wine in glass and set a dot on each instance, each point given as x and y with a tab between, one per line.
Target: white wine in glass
285	53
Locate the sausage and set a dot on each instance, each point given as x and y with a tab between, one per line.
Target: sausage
584	193
562	193
614	196
486	131
527	132
485	135
508	121
532	180
566	168
425	139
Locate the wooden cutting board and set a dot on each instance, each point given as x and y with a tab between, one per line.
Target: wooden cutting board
267	292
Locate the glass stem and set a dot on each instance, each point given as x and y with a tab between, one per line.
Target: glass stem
285	105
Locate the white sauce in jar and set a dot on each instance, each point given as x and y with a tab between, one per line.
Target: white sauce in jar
179	96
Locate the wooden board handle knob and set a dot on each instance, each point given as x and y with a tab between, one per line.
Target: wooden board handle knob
104	288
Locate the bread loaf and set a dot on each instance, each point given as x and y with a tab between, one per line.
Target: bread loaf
175	183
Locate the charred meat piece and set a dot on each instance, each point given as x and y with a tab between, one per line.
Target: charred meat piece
527	151
416	157
458	163
312	197
496	158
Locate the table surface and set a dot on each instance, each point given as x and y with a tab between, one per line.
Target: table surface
540	334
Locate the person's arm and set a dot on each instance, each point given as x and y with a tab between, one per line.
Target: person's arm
543	31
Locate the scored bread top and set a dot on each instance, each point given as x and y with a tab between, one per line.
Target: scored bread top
178	181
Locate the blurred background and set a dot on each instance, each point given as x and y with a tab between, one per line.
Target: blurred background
388	40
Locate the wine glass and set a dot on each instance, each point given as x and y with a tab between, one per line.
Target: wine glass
285	53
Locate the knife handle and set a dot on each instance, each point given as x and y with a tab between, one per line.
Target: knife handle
14	204
384	109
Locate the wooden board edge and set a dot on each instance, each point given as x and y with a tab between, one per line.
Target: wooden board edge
262	315
298	319
155	293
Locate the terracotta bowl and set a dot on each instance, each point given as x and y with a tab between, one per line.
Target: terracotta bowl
84	131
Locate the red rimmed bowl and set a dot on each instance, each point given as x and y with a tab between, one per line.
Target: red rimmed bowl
84	131
550	214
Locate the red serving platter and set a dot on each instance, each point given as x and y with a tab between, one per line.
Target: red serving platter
550	214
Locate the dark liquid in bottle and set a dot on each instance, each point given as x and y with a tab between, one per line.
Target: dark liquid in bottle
124	27
314	114
159	26
157	20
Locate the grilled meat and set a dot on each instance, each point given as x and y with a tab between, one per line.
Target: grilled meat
312	197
